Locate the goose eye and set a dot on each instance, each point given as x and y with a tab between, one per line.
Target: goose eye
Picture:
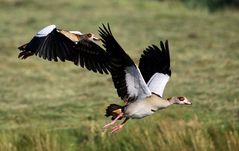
181	98
89	35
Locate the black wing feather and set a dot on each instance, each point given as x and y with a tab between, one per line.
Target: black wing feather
119	60
155	60
89	52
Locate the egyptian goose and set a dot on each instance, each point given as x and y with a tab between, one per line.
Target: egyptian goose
56	44
140	88
140	99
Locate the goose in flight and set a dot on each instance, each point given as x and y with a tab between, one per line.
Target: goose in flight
141	88
53	44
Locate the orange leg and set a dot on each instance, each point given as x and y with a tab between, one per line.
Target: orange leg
113	122
118	127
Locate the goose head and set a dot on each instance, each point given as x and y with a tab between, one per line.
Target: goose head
179	100
91	37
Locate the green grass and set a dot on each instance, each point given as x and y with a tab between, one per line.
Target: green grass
213	5
47	106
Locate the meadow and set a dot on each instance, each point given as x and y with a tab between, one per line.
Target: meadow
55	106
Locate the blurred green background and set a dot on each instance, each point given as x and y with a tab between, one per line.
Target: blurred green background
49	106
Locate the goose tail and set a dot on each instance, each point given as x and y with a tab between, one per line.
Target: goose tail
114	110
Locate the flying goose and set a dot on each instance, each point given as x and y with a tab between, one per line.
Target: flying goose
55	44
141	88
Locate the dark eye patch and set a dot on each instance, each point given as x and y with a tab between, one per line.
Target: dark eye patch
181	98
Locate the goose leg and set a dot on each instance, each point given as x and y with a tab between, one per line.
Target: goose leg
118	127
113	122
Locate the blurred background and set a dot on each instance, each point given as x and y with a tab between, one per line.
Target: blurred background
55	106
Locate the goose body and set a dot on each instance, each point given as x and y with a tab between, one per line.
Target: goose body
140	87
142	108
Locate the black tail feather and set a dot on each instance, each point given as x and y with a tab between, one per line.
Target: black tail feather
111	110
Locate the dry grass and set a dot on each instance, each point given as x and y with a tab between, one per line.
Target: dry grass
168	135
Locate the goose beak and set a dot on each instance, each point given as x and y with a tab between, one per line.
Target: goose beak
187	102
96	39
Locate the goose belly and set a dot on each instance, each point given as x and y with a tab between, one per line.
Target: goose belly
138	110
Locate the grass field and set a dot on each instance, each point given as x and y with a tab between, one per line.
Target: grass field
49	106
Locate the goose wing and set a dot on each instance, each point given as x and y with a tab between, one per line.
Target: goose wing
154	65
55	44
126	76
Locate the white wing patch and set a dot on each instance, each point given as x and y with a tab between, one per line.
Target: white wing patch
157	83
136	85
76	32
45	31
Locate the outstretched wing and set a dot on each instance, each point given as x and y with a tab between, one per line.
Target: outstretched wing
54	44
126	76
155	67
